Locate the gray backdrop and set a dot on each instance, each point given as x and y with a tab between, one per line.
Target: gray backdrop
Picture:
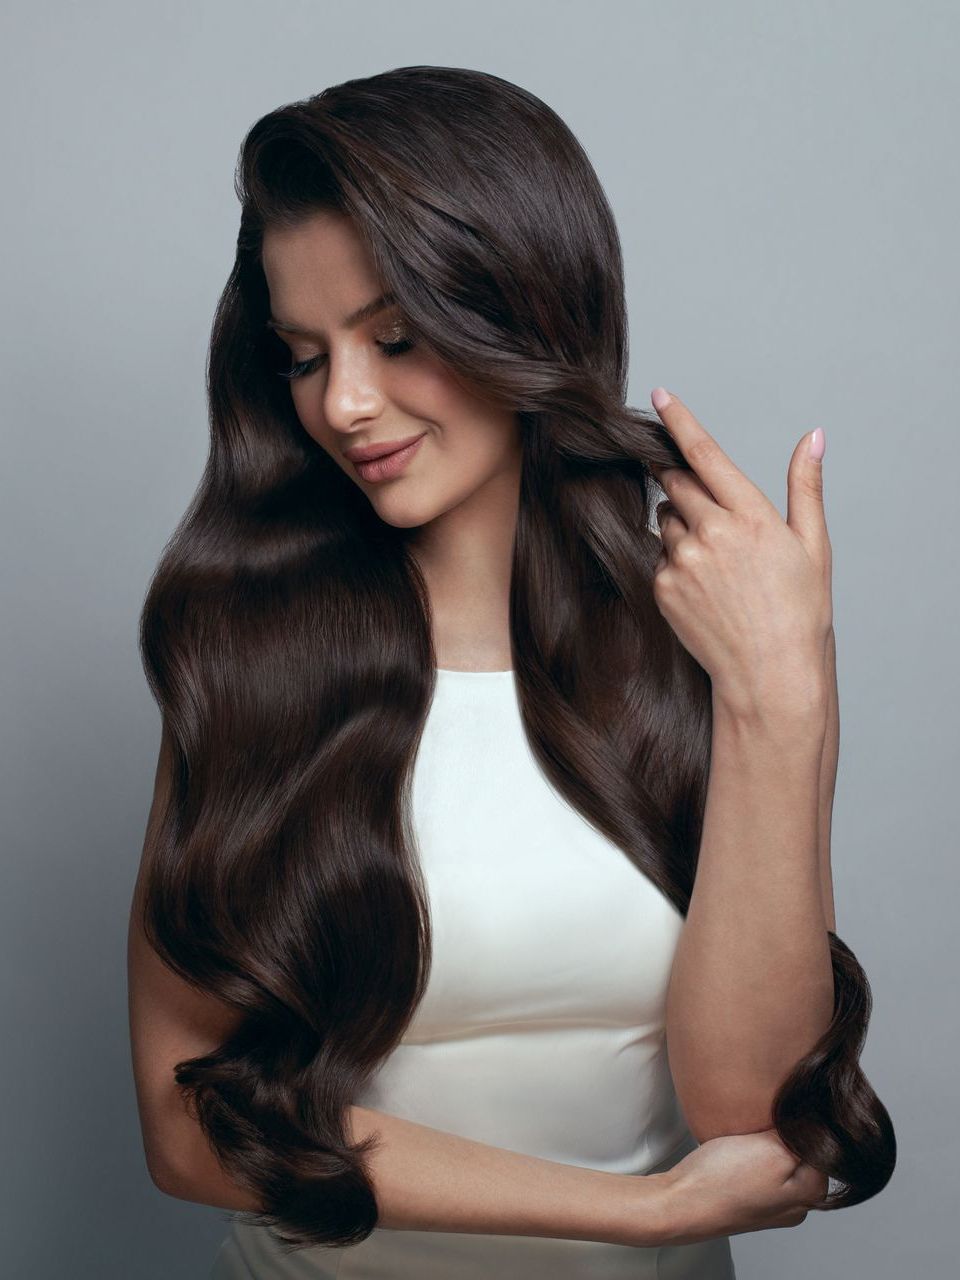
785	182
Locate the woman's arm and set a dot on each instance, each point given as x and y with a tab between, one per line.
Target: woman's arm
428	1180
749	595
751	989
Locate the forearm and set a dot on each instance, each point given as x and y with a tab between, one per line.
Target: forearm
828	778
751	988
429	1180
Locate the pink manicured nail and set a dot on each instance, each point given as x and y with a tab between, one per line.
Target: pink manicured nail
660	397
818	443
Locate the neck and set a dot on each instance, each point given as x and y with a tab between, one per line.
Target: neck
466	557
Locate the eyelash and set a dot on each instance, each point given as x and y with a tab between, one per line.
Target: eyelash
303	367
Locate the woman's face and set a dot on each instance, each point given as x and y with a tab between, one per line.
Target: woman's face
363	386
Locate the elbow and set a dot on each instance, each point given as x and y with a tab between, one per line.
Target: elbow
720	1112
716	1124
164	1176
723	1121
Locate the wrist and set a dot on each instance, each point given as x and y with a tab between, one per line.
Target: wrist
648	1215
774	704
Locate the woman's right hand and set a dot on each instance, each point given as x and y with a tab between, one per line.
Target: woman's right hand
738	1183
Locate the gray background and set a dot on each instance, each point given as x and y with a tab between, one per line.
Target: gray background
785	182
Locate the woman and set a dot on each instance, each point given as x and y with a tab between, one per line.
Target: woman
439	710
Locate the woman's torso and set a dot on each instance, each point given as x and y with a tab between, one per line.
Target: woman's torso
542	1028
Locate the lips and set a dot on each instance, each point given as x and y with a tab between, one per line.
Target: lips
389	465
367	453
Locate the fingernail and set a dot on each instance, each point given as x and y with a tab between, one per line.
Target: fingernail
660	397
818	444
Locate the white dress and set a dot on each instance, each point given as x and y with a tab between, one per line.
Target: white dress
542	1027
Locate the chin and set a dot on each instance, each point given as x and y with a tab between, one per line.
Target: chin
402	513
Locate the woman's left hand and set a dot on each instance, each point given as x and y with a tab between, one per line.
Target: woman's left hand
748	593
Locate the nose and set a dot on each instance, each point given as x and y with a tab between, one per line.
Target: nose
352	395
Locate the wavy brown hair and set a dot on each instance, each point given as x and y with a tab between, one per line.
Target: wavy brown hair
286	635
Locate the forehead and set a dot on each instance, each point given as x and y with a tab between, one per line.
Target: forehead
320	262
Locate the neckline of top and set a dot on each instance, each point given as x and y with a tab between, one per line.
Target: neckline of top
452	671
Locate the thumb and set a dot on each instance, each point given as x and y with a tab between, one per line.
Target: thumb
805	514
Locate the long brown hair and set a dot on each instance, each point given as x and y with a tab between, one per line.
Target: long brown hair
286	636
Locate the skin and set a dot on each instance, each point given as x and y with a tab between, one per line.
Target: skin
460	491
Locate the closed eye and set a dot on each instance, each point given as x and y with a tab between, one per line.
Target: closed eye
305	367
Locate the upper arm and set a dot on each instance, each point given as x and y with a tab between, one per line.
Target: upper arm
169	1021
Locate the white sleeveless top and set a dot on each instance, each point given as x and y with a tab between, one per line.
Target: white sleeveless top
542	1026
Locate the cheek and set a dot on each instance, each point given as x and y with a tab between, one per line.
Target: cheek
472	447
308	409
422	390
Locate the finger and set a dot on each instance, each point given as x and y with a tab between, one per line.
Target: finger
688	494
721	476
808	1184
805	513
672	525
672	529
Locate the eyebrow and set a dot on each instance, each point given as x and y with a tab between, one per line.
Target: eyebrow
357	317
